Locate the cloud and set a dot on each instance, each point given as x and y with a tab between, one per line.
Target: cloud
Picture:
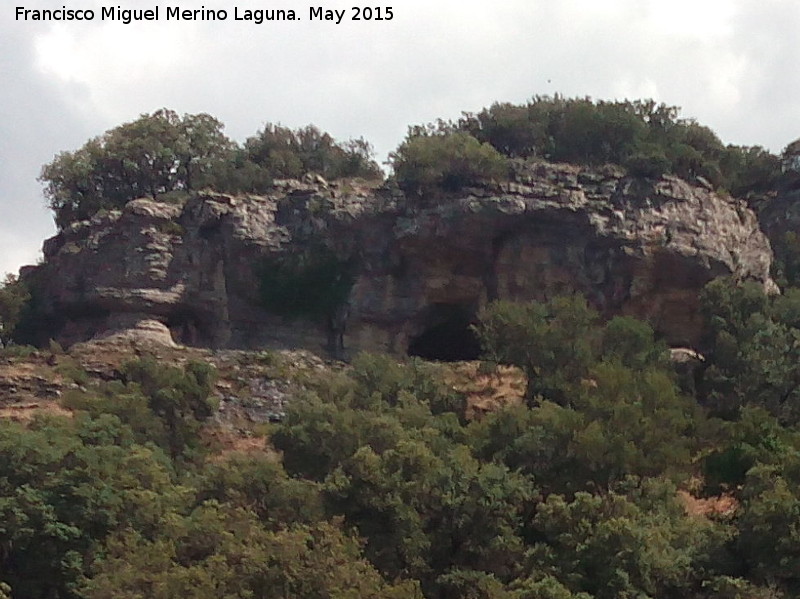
37	120
731	65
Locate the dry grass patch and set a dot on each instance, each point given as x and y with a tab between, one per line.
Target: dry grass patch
487	391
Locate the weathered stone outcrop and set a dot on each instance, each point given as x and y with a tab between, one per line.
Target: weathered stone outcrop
423	269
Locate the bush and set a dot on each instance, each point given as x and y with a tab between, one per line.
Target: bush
651	163
426	162
179	397
286	153
14	296
554	343
648	138
156	154
166	156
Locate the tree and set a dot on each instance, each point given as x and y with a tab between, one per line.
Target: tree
285	153
769	537
632	343
13	297
65	484
429	161
554	342
425	514
754	356
155	154
258	483
648	138
750	168
622	422
180	398
632	543
203	150
510	129
221	551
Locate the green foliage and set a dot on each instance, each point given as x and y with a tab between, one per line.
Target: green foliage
17	351
557	342
376	405
285	153
624	422
603	403
64	486
156	154
180	398
786	266
636	544
71	370
554	342
13	297
381	488
35	324
648	138
219	551
649	161
751	169
277	152
769	537
382	380
163	155
312	284
424	514
632	343
755	350
430	160
755	438
728	587
259	484
161	404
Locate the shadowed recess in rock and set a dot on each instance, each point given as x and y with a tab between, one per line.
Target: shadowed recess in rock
448	335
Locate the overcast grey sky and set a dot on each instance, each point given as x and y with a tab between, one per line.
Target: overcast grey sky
731	64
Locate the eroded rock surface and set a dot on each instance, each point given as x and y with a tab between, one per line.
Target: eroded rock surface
424	267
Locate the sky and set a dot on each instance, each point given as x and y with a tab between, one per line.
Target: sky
731	64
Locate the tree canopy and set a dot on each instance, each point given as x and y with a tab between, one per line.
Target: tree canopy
646	137
13	298
375	483
163	153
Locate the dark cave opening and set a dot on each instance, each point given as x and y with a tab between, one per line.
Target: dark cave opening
187	328
449	336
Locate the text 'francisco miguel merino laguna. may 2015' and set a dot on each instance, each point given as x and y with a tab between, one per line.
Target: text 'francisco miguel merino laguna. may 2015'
256	16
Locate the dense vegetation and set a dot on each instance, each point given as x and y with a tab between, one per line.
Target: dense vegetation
383	488
647	138
164	155
14	297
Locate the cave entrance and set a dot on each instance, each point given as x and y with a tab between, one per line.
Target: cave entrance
447	335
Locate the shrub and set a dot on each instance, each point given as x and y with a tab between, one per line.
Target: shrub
650	163
14	296
426	162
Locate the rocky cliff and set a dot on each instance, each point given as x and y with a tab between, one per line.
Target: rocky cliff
190	273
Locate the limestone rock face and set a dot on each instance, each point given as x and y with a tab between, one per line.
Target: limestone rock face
423	266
